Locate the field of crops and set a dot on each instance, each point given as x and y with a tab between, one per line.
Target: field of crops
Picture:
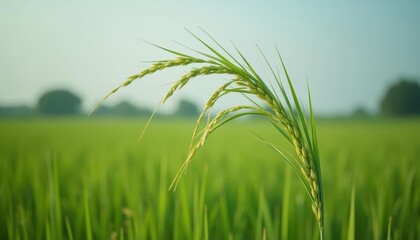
93	179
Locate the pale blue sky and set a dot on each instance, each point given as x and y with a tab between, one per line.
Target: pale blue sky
349	51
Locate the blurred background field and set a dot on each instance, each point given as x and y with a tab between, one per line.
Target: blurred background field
67	178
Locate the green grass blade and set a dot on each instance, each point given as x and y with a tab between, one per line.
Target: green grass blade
69	231
206	224
221	47
254	76
88	223
301	116
171	51
289	114
281	130
291	161
48	231
316	158
222	59
285	206
235	117
216	60
315	149
272	72
351	223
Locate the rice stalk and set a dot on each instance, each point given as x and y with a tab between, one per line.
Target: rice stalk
285	112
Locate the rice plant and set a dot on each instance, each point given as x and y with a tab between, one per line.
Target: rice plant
284	111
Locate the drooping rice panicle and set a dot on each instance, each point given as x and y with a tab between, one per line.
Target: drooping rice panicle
284	113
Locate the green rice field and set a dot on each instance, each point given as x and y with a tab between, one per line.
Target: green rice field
92	179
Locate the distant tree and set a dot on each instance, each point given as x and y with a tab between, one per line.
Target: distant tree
126	108
360	112
59	102
123	108
402	98
187	108
103	110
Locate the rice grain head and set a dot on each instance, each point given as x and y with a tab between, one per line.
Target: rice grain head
245	81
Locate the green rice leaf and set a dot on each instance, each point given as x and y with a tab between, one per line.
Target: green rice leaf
294	163
301	116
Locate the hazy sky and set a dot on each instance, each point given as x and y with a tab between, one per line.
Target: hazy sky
349	52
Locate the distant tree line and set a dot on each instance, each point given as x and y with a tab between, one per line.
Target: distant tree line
62	102
401	99
16	111
123	108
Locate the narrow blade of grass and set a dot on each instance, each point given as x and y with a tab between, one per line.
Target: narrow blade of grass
351	223
88	223
69	231
285	206
389	229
